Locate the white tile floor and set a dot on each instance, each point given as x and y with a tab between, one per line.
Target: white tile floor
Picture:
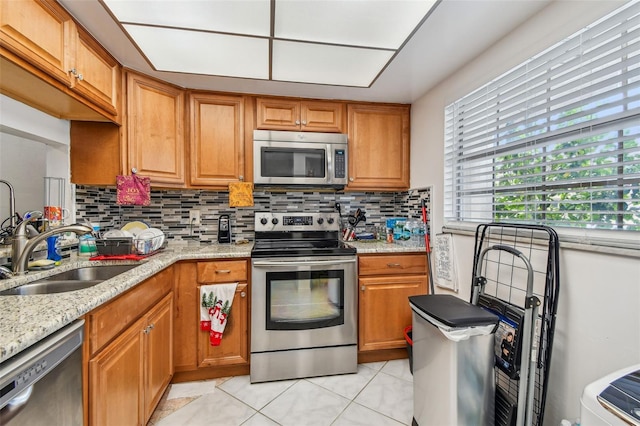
380	393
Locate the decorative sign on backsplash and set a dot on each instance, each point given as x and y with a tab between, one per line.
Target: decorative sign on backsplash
133	190
240	194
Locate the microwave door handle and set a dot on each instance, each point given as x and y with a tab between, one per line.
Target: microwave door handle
304	263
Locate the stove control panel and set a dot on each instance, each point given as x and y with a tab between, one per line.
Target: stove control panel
283	222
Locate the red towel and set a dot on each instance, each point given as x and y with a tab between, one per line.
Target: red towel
215	308
133	190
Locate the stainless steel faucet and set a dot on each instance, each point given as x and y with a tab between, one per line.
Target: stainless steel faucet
23	247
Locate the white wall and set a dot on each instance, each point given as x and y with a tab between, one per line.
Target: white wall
32	145
598	323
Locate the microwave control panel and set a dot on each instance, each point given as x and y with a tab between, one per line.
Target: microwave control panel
340	161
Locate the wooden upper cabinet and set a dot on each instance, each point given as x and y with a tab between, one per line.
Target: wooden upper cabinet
216	139
41	32
378	147
155	131
95	74
43	35
306	116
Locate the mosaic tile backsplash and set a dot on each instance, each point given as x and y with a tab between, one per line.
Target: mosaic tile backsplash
169	209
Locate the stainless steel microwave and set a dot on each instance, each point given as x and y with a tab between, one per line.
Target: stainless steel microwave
307	159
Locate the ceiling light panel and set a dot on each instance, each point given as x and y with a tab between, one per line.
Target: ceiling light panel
250	17
203	53
322	64
380	23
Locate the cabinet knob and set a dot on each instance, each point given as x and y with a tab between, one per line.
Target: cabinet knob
240	178
73	72
304	122
362	287
146	330
80	77
152	326
297	121
350	179
243	294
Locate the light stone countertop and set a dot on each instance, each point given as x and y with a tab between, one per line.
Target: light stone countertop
25	320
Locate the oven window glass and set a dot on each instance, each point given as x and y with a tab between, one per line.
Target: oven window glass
287	162
304	300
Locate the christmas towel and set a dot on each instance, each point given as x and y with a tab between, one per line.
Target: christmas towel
215	307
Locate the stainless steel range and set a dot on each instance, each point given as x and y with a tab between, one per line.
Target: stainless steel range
304	300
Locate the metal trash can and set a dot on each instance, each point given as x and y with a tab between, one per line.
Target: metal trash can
453	359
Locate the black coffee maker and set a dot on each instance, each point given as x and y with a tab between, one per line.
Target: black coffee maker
224	229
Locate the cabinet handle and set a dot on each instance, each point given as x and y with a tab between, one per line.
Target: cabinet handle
223	271
350	179
394	265
146	330
240	178
298	122
74	72
243	294
152	326
362	288
304	122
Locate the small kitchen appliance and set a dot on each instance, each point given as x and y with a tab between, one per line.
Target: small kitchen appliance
224	229
304	310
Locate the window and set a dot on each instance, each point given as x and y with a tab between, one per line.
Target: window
554	141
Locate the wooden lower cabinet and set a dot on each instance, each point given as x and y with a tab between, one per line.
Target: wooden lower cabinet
385	283
129	353
234	347
195	358
128	378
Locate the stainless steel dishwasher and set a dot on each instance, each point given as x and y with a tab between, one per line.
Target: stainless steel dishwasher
42	385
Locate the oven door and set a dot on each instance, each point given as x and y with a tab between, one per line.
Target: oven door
303	302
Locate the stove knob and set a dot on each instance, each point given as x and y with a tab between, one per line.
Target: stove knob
320	221
330	221
274	221
264	221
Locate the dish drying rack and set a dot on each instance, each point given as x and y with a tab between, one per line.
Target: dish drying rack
130	246
516	275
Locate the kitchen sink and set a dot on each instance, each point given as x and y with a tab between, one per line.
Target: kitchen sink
74	279
90	273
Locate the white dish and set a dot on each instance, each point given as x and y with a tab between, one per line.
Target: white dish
155	235
114	233
135	227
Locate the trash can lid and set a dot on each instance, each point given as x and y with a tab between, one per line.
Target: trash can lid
452	311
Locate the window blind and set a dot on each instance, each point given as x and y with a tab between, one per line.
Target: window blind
555	140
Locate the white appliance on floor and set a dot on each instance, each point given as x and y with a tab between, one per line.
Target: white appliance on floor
613	399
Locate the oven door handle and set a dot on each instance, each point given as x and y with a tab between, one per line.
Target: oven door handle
302	263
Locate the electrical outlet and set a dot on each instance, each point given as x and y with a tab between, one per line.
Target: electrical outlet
194	216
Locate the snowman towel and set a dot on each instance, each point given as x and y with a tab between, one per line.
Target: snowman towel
215	307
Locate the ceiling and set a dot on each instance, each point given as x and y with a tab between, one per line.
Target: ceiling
455	32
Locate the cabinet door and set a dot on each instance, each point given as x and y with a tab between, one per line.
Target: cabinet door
234	346
41	32
322	116
158	335
155	130
97	74
277	114
378	147
384	310
115	384
216	140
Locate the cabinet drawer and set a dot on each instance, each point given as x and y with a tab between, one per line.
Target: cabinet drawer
392	264
222	271
108	321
